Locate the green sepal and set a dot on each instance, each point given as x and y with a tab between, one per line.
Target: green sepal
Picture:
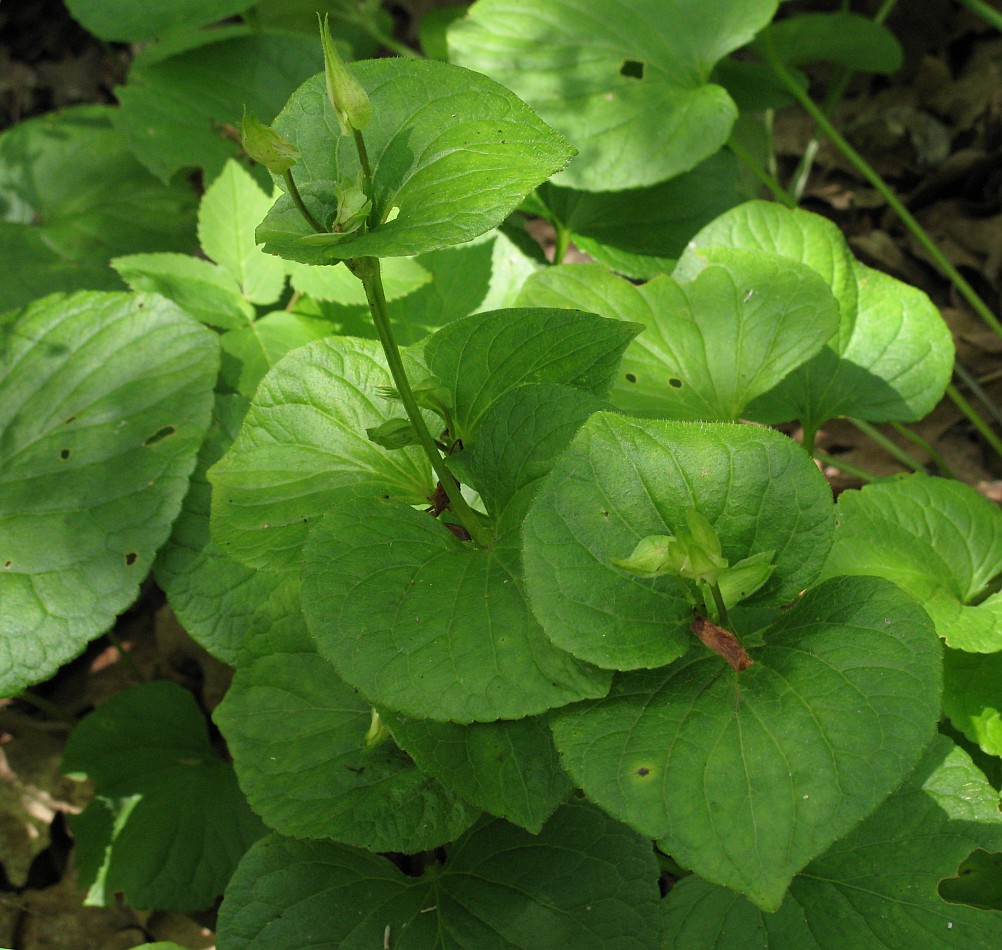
266	146
393	434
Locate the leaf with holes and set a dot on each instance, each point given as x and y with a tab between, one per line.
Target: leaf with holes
711	345
453	154
746	777
638	104
104	401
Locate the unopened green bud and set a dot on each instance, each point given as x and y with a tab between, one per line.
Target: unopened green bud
653	556
377	734
744	578
350	101
266	146
353	205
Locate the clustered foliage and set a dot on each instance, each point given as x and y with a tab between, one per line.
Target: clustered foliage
509	583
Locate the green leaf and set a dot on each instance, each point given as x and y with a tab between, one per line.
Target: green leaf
484	356
184	111
214	598
296	733
641	232
72	196
972	697
520	437
978	882
624	479
875	888
848	39
251	351
507	768
104	400
128	22
585	882
303	446
424	624
401	276
184	823
938	539
230	211
633	130
892	356
453	151
745	777
711	345
199	287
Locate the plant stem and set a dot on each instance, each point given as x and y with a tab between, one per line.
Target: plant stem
976	390
863	167
563	238
718	600
125	656
926	447
363	161
43	705
895	451
983	10
297	199
845	467
968	410
755	167
368	271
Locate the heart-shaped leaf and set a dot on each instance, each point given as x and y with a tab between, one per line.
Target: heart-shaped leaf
639	103
481	358
297	736
452	152
875	888
848	39
507	768
745	777
585	882
938	539
711	345
169	823
424	624
622	480
303	445
104	399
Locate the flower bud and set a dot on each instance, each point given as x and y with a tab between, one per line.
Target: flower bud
350	101
266	146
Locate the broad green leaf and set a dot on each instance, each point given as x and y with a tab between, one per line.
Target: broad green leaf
895	367
641	232
129	22
215	598
507	768
877	887
183	823
230	211
184	111
426	625
711	345
892	356
296	734
938	539
520	437
197	286
250	351
452	151
104	400
401	276
584	882
72	196
849	39
745	777
303	446
624	479
972	697
484	356
627	82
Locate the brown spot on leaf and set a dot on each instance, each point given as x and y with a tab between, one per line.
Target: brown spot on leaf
160	434
130	558
723	642
643	771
